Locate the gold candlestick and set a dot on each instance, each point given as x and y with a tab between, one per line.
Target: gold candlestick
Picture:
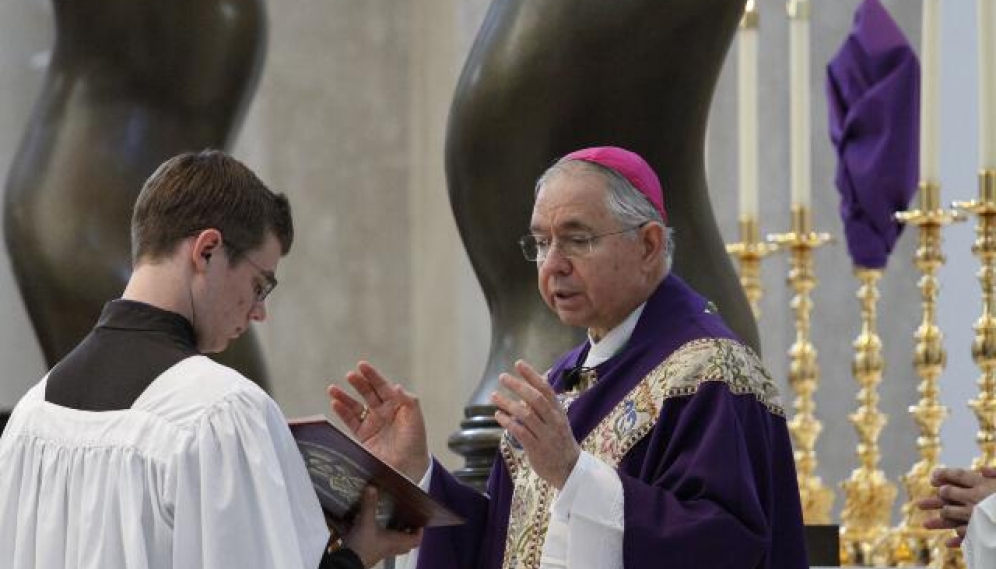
984	345
944	557
868	494
749	251
910	543
803	371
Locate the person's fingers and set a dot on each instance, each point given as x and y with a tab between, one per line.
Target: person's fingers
401	396
519	410
931	503
988	471
547	404
349	410
940	523
362	386
951	493
957	512
402	542
532	404
336	393
936	480
351	420
348	403
382	388
961	477
504	404
515	428
939	476
363	534
368	507
535	379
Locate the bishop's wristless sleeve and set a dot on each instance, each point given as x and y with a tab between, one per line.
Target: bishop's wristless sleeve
242	495
586	519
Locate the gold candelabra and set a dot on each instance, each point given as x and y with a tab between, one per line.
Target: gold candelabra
868	494
749	251
910	543
803	371
984	345
944	557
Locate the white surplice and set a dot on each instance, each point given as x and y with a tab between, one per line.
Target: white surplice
979	545
201	472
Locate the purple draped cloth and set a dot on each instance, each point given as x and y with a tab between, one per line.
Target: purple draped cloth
712	485
873	92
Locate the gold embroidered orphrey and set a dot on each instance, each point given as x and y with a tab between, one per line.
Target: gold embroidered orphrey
630	420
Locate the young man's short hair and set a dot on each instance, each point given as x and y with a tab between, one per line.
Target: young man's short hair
196	191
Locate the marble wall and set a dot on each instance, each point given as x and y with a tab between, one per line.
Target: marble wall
349	120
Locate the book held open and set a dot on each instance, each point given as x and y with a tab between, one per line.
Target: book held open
340	468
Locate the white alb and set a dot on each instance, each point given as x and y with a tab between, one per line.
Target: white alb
201	472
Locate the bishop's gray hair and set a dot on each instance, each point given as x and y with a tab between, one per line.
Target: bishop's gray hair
628	205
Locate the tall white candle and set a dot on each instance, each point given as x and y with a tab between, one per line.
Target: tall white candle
929	87
987	84
747	111
799	101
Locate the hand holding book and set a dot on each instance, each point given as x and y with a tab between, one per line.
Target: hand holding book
340	468
371	542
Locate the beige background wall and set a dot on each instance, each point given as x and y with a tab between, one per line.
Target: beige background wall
26	36
349	120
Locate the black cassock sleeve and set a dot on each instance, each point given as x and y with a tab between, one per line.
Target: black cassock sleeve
344	558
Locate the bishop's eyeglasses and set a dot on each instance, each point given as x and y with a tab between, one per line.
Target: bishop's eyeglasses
537	247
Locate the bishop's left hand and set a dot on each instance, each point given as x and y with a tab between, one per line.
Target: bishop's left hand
538	421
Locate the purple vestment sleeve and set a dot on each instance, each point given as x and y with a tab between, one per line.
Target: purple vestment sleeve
454	546
711	488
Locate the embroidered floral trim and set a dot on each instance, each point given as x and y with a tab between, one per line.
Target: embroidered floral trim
723	360
529	517
680	375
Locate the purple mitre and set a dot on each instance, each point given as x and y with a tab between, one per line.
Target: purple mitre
873	92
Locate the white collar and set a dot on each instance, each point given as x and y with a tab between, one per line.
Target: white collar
614	340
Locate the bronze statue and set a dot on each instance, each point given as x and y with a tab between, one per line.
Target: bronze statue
548	77
130	84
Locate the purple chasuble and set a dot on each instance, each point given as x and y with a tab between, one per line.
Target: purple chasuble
712	485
